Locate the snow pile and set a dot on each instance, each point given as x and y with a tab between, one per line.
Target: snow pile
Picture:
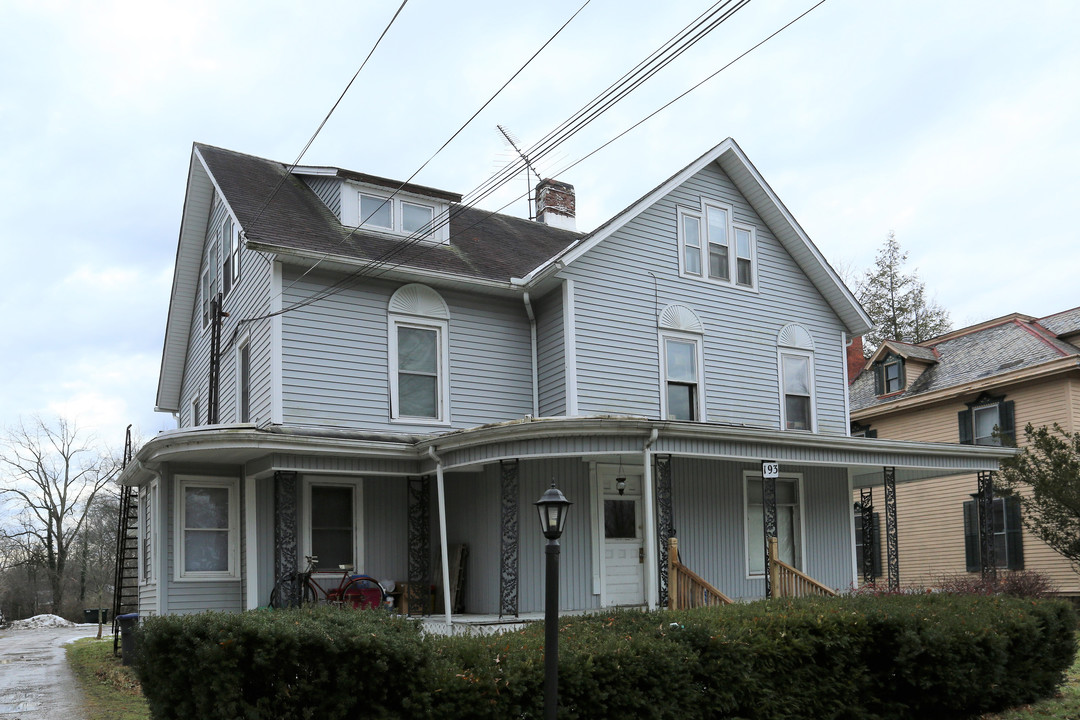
42	621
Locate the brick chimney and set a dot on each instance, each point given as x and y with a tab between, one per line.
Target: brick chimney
856	360
555	204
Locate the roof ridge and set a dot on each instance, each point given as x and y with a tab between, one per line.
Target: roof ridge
1060	312
1031	328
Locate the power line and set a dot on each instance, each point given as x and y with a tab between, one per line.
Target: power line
363	271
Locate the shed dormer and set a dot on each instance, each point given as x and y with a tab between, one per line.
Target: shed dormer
381	205
897	365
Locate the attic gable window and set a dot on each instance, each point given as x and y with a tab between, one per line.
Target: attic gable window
210	285
889	375
714	247
230	243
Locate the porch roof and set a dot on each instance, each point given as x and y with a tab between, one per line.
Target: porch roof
263	450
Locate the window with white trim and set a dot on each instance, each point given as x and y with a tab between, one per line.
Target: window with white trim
195	419
418	323
243	382
396	214
682	362
147	544
788	523
795	362
230	243
333	523
210	284
714	247
207	528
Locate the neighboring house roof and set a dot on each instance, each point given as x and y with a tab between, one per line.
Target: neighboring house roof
1063	323
1005	349
904	350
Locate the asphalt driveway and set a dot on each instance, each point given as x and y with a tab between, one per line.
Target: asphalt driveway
35	682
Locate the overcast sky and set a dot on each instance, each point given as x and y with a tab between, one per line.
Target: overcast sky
952	123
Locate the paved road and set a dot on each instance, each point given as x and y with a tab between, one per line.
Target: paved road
35	682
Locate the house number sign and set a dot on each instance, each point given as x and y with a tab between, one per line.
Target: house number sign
770	470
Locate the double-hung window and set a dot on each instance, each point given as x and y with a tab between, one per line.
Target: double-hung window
207	528
1008	534
418	325
230	243
795	362
988	421
333	527
210	283
714	247
147	545
788	523
682	373
243	382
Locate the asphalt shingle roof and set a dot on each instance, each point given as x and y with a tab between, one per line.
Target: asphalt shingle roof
1062	323
482	245
994	350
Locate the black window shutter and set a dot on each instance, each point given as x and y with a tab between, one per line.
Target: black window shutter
1014	534
879	379
971	536
871	434
902	373
966	433
1007	423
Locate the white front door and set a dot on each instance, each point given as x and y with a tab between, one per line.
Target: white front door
622	546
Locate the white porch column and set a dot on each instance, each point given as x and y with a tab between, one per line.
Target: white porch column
440	490
251	545
651	568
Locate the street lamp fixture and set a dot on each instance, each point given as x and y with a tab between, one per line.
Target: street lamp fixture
552	507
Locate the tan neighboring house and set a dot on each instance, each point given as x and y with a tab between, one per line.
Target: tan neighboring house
958	388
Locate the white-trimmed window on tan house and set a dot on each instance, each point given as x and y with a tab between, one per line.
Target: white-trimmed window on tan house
418	323
713	247
333	527
990	420
789	524
795	362
682	395
1008	535
207	528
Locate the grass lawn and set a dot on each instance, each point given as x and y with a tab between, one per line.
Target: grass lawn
109	689
1065	706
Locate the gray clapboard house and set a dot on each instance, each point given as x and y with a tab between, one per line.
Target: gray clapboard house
399	375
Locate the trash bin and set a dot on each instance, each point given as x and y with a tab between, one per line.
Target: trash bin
91	616
128	623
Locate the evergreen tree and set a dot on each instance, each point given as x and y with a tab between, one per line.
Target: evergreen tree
896	301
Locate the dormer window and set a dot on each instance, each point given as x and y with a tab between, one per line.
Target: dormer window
401	215
889	375
416	218
376	211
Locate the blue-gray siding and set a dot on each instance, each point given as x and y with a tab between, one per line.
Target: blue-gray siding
624	282
328	190
249	298
335	357
551	355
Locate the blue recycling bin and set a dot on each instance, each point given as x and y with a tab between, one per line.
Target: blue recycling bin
128	623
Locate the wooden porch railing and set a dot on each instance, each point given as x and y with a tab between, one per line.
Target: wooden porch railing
789	582
686	589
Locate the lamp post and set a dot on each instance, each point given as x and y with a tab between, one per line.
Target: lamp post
553	507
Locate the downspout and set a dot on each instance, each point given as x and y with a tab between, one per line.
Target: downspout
535	361
441	492
650	523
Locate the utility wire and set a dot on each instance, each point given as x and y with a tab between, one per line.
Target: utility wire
365	270
270	197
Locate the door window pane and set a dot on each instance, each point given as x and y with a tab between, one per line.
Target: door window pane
620	519
788	519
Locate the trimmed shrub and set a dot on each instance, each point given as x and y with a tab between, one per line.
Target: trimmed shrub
916	656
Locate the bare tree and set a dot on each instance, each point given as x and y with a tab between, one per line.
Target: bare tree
52	473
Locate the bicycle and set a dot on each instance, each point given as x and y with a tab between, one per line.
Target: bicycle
307	591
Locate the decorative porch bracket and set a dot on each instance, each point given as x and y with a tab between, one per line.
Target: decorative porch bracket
869	547
285	553
418	592
768	507
664	520
892	543
508	574
987	555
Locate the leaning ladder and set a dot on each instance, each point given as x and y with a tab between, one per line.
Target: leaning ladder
126	574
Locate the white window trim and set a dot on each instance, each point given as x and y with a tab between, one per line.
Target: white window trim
442	328
193	411
230	248
898	364
148	504
233	486
996	407
205	290
357	486
701	414
801	505
701	214
440	212
809	355
244	342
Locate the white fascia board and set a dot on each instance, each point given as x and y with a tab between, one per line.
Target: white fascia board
197	201
315	170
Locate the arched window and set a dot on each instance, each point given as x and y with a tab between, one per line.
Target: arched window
418	324
795	359
682	395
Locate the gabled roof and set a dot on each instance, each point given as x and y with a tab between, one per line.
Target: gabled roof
733	161
1066	322
908	351
1008	349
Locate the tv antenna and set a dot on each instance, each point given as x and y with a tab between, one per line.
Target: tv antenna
528	167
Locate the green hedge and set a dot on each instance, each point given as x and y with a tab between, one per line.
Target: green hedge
925	656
